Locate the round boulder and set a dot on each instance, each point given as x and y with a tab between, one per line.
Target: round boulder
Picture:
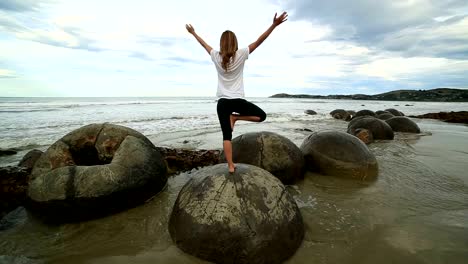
95	170
379	112
394	112
339	154
385	116
341	114
403	124
272	152
244	217
364	113
310	112
379	129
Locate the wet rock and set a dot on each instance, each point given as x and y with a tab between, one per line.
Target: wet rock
364	113
179	160
450	117
394	112
379	112
403	124
341	114
385	116
310	112
272	152
351	112
13	188
30	159
244	217
339	154
93	171
364	135
7	152
379	129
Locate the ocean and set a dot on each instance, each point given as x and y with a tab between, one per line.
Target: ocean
416	211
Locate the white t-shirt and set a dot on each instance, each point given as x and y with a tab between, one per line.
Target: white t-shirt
230	83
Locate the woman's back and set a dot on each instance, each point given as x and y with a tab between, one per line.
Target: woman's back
230	82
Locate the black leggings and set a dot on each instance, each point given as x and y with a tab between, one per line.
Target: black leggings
243	107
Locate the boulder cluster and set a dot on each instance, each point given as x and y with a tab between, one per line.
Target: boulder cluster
243	217
368	125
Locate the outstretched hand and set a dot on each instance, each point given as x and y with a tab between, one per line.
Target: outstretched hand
190	28
278	20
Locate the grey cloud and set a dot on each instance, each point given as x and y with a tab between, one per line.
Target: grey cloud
19	5
397	26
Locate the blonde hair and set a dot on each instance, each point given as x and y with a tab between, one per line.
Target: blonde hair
228	47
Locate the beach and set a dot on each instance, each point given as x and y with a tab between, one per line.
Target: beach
415	212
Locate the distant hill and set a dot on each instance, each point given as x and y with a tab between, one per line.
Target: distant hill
434	95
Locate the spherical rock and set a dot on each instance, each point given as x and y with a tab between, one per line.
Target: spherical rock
364	113
339	154
272	152
310	112
379	112
30	159
385	116
244	217
394	112
341	114
403	124
93	171
379	129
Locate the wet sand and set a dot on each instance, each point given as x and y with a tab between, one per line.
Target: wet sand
415	212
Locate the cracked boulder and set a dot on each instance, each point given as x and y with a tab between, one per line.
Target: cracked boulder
244	217
339	154
378	128
95	170
272	152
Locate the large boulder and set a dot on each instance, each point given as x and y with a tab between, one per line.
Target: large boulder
394	112
364	113
310	112
341	114
339	154
379	129
403	124
244	217
272	152
95	170
385	116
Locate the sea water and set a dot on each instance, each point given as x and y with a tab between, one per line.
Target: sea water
415	212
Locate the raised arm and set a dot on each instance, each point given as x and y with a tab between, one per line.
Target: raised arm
276	22
191	30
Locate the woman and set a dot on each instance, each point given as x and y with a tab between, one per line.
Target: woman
229	62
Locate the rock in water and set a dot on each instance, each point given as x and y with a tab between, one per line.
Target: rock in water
379	129
385	116
364	113
394	112
310	112
341	114
244	217
95	170
271	152
403	124
339	154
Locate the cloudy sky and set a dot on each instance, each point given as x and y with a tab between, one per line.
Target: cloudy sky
141	47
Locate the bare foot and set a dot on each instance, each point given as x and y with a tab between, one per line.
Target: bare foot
233	121
232	168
